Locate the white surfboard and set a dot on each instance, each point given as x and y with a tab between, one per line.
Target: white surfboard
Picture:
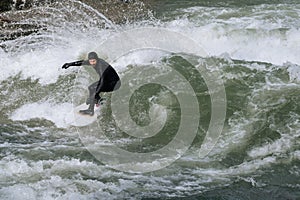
84	120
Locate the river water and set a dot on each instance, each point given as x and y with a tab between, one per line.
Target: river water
208	108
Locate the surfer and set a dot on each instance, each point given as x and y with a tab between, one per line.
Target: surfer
108	82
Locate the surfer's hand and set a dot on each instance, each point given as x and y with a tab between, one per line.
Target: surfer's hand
66	66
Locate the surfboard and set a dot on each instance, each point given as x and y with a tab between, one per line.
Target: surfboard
84	120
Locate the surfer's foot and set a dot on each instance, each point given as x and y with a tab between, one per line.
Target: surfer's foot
87	112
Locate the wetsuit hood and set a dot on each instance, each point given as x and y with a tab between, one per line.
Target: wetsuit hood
93	55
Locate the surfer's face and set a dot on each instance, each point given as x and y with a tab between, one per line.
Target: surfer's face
93	62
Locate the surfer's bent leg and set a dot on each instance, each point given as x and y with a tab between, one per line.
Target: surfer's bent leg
106	87
90	100
92	89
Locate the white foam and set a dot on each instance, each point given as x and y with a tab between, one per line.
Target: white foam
282	145
18	192
60	114
246	33
138	57
42	60
250	36
296	155
294	71
279	146
248	46
11	167
52	185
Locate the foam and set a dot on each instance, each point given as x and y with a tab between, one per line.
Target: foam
294	71
41	55
250	36
279	146
52	185
60	114
18	192
43	64
138	57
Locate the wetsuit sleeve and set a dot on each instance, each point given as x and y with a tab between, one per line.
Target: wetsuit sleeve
76	63
85	62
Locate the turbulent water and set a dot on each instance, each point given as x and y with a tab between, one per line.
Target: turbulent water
208	108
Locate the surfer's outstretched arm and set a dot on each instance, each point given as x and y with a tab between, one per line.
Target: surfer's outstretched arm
76	63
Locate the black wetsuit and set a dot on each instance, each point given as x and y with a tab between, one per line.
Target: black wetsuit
109	79
108	82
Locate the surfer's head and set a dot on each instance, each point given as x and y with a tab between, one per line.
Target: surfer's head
93	57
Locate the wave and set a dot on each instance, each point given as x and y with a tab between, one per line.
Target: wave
248	52
253	33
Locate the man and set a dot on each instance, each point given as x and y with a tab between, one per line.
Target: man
108	82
